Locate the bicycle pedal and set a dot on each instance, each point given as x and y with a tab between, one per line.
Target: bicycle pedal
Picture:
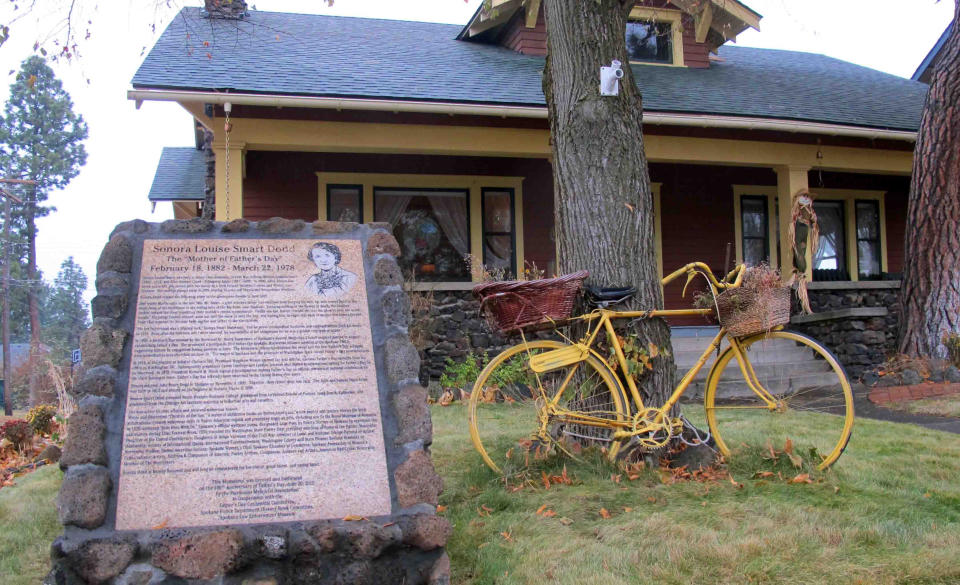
558	358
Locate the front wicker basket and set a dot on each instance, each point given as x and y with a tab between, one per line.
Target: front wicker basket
517	304
745	312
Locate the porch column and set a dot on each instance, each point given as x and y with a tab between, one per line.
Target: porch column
790	179
232	208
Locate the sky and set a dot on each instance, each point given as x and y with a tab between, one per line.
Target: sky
125	143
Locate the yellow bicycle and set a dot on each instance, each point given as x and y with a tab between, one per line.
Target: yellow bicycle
541	392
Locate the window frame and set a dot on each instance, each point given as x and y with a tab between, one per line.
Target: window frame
359	189
773	233
845	240
849	198
765	205
879	239
661	15
472	183
513	225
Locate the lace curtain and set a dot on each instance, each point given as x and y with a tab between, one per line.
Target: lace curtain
830	254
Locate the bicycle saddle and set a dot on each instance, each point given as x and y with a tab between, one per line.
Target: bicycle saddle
609	296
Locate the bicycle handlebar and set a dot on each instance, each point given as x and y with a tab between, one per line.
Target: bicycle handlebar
732	280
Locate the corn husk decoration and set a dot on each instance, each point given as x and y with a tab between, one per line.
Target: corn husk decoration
802	213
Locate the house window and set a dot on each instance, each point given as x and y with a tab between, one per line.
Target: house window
650	41
499	231
432	227
755	224
869	252
830	259
344	202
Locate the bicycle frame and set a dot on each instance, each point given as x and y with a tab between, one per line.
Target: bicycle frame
604	321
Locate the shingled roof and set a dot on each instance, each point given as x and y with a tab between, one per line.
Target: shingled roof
314	55
180	175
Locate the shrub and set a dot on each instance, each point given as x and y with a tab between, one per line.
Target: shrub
952	343
513	372
463	374
17	431
41	418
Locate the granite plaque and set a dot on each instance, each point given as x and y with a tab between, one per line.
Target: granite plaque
253	388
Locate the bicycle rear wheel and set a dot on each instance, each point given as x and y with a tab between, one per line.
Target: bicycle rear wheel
812	400
507	405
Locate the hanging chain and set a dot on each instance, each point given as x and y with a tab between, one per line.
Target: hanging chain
227	127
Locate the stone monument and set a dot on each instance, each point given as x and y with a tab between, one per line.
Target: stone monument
249	413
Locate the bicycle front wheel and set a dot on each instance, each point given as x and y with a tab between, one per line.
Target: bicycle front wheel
808	402
508	406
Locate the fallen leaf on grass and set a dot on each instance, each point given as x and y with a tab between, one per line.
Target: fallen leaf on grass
549	514
762	474
441	509
615	478
801	478
446	399
627	509
735	483
506	536
604	514
566	521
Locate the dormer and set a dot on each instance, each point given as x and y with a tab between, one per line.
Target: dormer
677	33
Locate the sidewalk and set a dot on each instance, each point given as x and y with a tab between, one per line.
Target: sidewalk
866	409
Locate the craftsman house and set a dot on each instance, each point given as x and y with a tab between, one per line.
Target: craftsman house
442	131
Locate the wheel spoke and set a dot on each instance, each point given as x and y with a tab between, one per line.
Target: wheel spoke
807	415
585	388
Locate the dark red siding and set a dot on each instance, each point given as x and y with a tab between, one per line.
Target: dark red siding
696	204
695	55
529	41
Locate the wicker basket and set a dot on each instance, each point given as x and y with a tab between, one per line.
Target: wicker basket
746	312
516	304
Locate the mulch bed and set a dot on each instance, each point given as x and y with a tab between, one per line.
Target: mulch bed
913	392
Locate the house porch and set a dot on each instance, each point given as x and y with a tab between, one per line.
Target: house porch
704	212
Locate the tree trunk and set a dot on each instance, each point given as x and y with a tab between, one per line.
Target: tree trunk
7	370
34	308
604	205
930	296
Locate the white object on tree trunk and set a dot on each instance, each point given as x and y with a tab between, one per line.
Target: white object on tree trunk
610	78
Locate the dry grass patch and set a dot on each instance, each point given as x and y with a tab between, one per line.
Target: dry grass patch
942	406
889	513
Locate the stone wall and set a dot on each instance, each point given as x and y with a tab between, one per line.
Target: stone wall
858	321
403	547
453	327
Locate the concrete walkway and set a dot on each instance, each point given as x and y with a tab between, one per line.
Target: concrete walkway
866	409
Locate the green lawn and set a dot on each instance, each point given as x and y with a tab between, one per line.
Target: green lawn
28	525
942	406
888	512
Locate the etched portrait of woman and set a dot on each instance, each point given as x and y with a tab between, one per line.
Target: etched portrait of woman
331	281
